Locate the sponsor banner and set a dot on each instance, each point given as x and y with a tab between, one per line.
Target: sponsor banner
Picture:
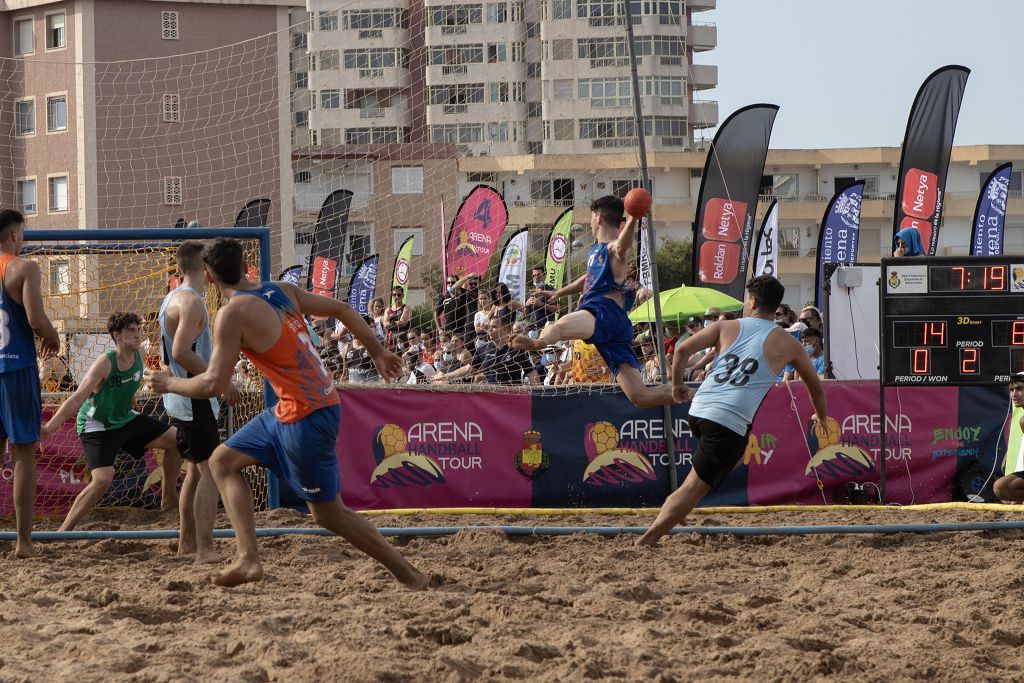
839	236
990	214
403	264
328	245
907	280
474	234
325	276
926	148
292	275
513	265
558	250
724	225
643	258
363	285
766	256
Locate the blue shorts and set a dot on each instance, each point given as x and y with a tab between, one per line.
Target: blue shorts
21	406
613	333
301	453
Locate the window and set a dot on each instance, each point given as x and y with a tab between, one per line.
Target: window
1016	181
330	136
55	37
169	25
25	117
171	108
57	113
376	136
497	13
517	51
671	89
24	37
303	177
358	246
606	92
561	48
564	129
455	15
621	187
535	147
328	21
789	241
534	110
467	93
329	60
300	79
403	233
27	195
378	18
330	99
172	190
482	177
301	119
533	70
407	180
496	53
58	186
603	51
60	277
561	89
532	29
378	58
671	47
558	191
561	9
456	54
600	12
498	132
618	132
462	133
517	12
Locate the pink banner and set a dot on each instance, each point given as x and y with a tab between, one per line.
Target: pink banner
475	232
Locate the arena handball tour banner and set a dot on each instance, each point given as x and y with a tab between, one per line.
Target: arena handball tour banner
513	265
926	148
475	231
727	203
329	243
766	255
839	237
363	286
990	213
558	250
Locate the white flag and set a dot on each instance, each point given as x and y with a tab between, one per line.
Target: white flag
513	265
643	263
767	253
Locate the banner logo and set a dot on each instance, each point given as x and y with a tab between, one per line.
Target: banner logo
402	271
767	252
920	192
532	461
833	459
610	464
559	247
398	467
724	219
719	262
324	276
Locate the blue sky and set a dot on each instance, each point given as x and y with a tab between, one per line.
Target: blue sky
845	73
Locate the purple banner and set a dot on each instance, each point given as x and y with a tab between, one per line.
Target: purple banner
990	214
475	232
840	233
363	285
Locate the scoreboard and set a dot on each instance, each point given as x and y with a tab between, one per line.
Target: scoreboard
951	321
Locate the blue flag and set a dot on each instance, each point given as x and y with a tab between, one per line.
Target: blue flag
363	285
840	233
990	214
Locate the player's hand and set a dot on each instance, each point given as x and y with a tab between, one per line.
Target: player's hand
157	380
438	378
388	365
49	347
680	393
232	396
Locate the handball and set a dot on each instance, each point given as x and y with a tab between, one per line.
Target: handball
604	436
637	202
392	438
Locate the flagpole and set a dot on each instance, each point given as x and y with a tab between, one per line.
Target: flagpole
648	225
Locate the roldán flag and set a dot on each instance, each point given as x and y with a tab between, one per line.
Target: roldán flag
474	234
840	233
363	286
513	265
990	214
558	251
403	264
766	255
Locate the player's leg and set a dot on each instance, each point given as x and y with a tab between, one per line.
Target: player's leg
21	411
24	456
186	505
577	325
358	531
205	512
170	467
642	396
1010	488
227	465
100	480
677	506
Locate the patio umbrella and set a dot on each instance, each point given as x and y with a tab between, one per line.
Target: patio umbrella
679	304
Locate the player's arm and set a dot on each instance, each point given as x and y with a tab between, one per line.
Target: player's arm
624	242
465	370
574	287
684	349
190	325
90	384
32	300
216	379
801	363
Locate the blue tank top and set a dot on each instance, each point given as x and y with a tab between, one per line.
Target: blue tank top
17	342
180	407
600	280
738	379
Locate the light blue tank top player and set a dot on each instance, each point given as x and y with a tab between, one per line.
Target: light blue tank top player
737	380
180	407
613	331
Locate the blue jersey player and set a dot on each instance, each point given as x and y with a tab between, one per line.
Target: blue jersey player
22	318
600	319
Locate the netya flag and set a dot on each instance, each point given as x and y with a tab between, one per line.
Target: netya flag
402	265
926	149
766	255
558	251
363	285
840	233
513	265
990	214
478	224
727	202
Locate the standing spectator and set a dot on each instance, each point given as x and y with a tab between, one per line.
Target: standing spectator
485	309
377	309
811	317
397	317
356	361
507	306
540	309
784	315
497	360
453	314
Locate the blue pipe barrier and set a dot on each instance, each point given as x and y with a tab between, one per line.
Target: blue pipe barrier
426	532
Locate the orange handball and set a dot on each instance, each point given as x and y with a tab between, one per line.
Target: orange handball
637	202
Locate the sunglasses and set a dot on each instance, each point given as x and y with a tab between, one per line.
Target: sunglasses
807	320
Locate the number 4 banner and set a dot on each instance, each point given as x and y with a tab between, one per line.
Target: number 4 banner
475	231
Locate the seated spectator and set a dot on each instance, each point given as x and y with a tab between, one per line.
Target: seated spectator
496	360
712	315
907	242
459	350
812	344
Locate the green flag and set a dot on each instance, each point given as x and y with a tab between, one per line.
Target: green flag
402	263
558	251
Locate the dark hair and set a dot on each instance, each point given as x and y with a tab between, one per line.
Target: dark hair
223	257
540	268
120	320
501	294
729	315
10	218
767	292
1017	378
610	208
810	333
189	255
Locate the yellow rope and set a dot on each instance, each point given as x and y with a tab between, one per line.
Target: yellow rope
120	283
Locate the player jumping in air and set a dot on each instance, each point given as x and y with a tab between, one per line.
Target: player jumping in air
296	438
22	318
750	354
600	319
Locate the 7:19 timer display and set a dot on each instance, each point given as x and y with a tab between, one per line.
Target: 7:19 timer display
967	279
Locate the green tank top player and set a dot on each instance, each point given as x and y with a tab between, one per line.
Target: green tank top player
111	407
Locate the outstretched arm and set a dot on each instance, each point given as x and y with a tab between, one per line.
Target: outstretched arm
574	287
686	348
624	242
92	381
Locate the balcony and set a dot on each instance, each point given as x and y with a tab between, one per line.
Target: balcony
704	76
700	5
310	201
371	113
702	36
703	113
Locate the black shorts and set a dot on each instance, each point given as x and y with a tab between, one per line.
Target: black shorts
199	436
101	448
718	450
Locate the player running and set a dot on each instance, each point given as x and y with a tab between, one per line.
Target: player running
600	319
750	354
296	438
107	423
22	317
185	347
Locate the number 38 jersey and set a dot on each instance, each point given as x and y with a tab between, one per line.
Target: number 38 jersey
738	379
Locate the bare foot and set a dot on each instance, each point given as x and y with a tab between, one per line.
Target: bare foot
24	551
527	343
186	549
207	557
168	503
241	571
416	582
644	541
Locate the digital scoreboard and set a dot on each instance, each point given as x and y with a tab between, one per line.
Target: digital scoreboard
951	321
